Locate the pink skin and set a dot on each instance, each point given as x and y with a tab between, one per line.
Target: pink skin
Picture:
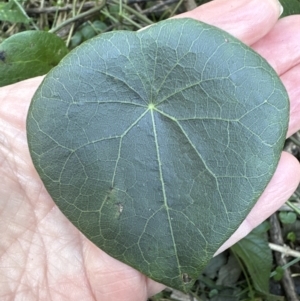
43	257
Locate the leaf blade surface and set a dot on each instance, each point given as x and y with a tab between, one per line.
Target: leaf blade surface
157	144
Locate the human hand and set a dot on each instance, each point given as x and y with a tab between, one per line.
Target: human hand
43	256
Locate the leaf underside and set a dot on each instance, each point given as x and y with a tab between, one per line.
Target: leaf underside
157	144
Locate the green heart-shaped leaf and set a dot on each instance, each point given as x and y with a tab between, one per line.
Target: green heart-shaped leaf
156	144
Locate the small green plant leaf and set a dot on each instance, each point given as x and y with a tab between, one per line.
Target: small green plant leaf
29	54
279	271
287	217
291	236
76	39
88	31
212	268
229	273
156	144
99	26
257	257
10	12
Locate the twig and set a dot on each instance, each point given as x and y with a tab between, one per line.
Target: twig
296	141
25	14
132	22
106	13
297	193
157	7
74	13
137	14
287	281
137	7
289	264
54	9
180	296
175	9
78	17
295	208
163	8
69	7
284	250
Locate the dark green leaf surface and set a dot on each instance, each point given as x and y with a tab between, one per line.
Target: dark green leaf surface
156	144
257	256
29	54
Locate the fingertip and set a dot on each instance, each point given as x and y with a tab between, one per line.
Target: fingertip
246	20
291	81
287	166
280	47
282	185
154	287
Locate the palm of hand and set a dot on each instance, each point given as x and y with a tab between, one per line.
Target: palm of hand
42	256
42	252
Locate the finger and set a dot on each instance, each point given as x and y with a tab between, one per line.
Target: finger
154	287
19	95
291	80
281	46
280	188
246	20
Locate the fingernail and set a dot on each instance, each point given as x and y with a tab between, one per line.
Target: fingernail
281	8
